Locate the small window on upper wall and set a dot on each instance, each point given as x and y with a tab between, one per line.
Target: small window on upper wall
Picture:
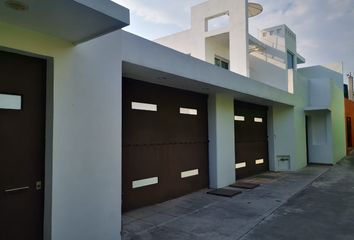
220	62
290	60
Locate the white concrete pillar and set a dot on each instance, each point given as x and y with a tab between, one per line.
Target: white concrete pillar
86	188
221	140
239	50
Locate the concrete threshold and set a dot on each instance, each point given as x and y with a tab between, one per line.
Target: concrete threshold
203	216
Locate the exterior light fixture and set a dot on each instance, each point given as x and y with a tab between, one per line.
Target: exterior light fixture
16	5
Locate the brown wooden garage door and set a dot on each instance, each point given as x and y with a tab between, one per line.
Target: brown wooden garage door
251	140
165	143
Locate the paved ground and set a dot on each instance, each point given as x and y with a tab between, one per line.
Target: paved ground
324	210
254	214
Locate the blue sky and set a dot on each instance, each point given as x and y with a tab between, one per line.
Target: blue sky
324	28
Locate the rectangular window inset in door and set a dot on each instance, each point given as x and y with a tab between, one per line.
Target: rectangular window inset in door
349	132
10	101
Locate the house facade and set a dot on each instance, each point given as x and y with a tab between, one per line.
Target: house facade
95	119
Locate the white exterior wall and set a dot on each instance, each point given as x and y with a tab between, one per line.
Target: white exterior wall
270	65
326	92
237	29
198	74
239	40
288	139
287	128
85	185
84	190
338	123
270	71
289	131
83	195
221	140
226	85
183	42
301	93
283	128
212	49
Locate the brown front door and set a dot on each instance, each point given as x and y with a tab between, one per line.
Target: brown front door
22	123
349	132
251	139
165	143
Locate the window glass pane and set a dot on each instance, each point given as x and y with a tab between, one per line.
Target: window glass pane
290	60
145	182
221	63
225	65
8	101
190	173
240	118
217	62
188	111
258	120
144	106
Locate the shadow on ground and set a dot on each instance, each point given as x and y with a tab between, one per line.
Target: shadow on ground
323	210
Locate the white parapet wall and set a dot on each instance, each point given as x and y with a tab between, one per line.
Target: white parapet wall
197	40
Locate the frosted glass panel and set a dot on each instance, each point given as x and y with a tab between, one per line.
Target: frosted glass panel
240	118
144	106
240	165
188	111
8	101
189	173
259	161
145	182
258	120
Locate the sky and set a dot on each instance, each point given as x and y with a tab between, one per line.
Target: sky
324	28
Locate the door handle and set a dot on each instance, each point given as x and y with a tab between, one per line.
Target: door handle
16	189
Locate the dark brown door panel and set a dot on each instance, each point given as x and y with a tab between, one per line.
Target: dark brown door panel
22	147
159	145
251	139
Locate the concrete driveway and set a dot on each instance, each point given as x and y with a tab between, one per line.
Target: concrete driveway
245	216
324	210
